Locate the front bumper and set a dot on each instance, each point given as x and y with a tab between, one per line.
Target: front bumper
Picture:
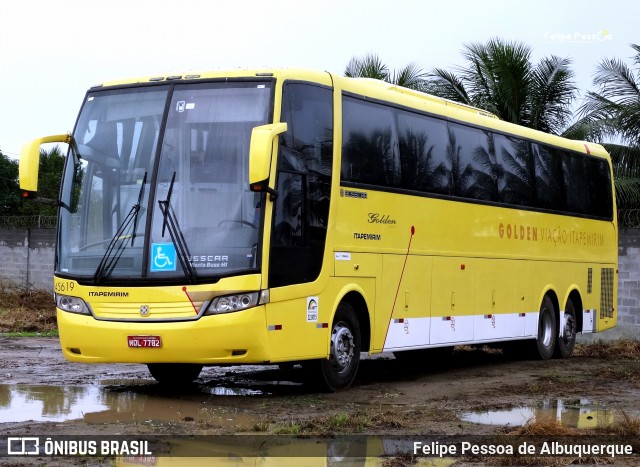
232	338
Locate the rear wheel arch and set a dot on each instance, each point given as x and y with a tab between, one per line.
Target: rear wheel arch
576	298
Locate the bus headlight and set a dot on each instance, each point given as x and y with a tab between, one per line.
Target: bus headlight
231	303
72	304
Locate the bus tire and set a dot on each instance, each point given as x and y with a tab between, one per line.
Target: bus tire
544	344
566	342
338	372
174	374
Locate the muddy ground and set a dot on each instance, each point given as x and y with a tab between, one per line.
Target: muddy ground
41	393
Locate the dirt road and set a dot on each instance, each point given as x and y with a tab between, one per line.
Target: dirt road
42	393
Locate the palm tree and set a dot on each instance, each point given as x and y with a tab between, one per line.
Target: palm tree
370	66
613	111
611	115
499	77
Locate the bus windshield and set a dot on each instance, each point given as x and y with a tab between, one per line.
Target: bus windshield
156	184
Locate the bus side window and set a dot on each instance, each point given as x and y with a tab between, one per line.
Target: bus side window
549	184
370	144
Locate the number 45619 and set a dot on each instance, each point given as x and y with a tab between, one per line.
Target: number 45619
64	286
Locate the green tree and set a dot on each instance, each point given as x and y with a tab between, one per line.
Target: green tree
370	66
9	189
499	77
611	116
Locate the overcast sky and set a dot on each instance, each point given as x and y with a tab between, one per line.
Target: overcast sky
52	51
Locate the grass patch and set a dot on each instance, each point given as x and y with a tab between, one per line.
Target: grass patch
623	425
338	420
558	378
290	428
554	430
26	312
53	333
551	381
623	370
261	427
341	422
304	401
546	428
623	348
356	422
626	425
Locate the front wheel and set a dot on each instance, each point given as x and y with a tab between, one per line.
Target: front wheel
174	374
566	342
339	370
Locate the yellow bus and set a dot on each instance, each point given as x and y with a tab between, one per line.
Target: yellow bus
278	216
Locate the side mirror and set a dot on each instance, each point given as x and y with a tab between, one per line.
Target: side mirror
260	153
30	160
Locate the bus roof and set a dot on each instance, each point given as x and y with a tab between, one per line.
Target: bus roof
380	90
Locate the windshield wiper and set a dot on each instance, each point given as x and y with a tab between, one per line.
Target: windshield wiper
109	260
177	237
137	208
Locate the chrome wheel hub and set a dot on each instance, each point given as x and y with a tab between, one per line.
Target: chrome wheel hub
341	347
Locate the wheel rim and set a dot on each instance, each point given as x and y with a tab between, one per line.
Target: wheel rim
342	346
569	329
546	329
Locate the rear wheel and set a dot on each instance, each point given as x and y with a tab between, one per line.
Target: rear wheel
339	370
547	331
566	342
174	374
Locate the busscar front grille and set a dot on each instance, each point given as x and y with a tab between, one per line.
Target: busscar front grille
606	293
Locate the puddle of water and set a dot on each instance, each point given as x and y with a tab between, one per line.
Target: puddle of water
573	413
114	403
222	391
19	403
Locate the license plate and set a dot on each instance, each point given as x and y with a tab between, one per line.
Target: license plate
144	341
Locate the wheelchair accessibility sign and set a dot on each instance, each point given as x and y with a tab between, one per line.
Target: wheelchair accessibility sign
163	257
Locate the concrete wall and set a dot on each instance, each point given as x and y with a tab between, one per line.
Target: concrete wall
26	259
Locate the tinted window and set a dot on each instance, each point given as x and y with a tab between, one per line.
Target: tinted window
423	146
574	171
439	157
601	202
369	152
471	166
549	184
517	174
301	211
